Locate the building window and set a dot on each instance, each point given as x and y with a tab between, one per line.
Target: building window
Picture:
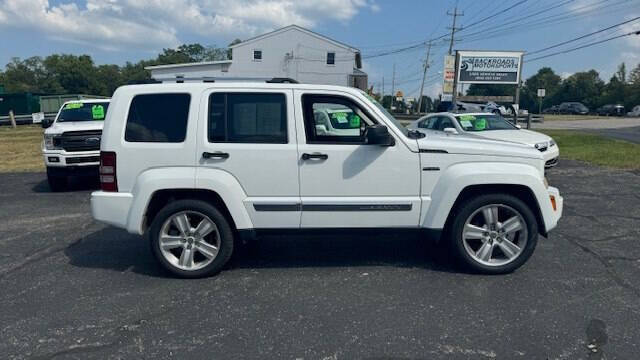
257	55
331	58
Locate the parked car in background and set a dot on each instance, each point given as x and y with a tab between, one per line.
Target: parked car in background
573	108
635	112
490	126
555	109
196	166
611	110
71	145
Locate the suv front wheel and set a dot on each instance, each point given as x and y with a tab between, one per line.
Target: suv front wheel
494	233
191	238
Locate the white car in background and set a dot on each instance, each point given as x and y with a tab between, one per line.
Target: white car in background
635	112
490	126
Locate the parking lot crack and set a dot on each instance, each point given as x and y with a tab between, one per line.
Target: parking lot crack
36	256
610	270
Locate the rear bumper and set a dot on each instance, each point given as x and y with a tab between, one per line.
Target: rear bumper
111	207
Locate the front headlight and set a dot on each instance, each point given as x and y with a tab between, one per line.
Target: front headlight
49	142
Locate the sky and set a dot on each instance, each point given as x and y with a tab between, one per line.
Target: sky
117	31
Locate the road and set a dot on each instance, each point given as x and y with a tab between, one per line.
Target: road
76	289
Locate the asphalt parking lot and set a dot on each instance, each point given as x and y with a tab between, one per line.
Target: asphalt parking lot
75	289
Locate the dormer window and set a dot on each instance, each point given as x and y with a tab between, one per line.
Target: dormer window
257	55
331	58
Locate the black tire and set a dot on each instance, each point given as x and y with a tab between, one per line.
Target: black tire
463	212
57	183
224	229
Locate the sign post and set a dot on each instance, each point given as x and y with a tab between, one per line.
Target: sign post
541	94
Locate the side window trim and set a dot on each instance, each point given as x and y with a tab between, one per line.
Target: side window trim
227	127
309	120
126	134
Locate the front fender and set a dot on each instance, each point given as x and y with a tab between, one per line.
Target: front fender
459	176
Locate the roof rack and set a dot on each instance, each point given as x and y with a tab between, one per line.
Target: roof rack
211	79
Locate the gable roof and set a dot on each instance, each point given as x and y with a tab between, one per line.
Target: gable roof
299	28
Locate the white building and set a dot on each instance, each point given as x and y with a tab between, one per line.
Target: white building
290	52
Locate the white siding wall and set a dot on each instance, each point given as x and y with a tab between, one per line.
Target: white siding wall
308	64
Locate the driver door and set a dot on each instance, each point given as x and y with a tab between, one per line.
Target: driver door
344	182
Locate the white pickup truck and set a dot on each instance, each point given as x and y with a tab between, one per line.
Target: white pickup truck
71	145
196	166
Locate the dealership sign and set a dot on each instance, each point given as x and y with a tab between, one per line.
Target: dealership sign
489	67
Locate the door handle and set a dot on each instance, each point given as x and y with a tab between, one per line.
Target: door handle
215	155
318	156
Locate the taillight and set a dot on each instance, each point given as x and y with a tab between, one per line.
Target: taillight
108	179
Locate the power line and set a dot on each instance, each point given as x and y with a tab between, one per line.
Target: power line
581	37
584	46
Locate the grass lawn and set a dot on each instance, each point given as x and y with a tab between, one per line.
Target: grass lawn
551	117
20	148
596	149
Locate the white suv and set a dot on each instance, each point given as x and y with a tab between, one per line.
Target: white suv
196	166
71	145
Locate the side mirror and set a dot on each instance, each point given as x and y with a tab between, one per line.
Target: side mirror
379	135
45	123
451	131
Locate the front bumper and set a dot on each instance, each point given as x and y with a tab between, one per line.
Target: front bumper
61	158
553	216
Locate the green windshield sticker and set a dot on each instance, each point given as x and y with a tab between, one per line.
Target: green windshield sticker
340	117
97	112
354	121
467	118
71	106
466	123
480	124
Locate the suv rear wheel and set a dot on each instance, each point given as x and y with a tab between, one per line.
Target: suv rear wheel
494	233
191	238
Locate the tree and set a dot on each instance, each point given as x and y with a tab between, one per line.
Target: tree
634	77
585	87
546	79
622	73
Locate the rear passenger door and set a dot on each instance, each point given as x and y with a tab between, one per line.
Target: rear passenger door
250	134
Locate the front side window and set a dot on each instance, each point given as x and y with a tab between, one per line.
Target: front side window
79	111
483	123
158	118
257	55
331	58
428	123
247	118
334	119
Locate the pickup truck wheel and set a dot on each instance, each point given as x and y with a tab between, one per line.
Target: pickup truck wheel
494	233
56	183
191	238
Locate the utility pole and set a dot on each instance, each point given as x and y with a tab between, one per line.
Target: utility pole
383	87
453	28
424	75
393	83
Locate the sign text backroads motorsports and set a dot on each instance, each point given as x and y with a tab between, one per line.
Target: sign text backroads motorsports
489	67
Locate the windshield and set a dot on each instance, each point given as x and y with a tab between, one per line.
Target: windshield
483	122
388	115
77	111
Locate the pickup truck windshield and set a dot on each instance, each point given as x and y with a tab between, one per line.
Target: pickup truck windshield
388	115
483	123
77	111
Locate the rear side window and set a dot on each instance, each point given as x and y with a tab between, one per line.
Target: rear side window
158	118
247	118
